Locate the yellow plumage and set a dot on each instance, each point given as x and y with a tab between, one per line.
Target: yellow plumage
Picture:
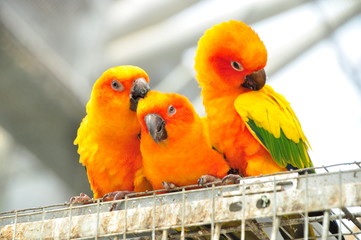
271	111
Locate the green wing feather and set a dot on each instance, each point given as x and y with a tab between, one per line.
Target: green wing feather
273	123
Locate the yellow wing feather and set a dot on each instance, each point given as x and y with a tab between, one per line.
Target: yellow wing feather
270	111
271	120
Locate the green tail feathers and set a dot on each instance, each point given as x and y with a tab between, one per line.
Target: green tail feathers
283	150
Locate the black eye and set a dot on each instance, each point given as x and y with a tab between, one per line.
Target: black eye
171	110
236	66
117	86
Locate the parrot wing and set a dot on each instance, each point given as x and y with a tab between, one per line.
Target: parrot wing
271	120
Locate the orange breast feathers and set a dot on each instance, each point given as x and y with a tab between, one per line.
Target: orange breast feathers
174	142
107	139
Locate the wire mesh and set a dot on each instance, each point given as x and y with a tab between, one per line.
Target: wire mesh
265	207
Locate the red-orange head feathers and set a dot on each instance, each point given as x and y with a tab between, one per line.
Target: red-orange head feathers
165	115
232	52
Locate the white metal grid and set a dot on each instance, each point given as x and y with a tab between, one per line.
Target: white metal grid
253	209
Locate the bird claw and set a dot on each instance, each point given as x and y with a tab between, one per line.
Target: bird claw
169	186
231	179
205	179
117	195
82	199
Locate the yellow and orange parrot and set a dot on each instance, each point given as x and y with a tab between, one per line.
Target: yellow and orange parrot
108	137
253	126
175	144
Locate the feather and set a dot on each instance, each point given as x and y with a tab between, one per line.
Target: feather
273	123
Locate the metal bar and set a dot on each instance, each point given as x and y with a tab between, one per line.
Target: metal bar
243	227
306	209
325	224
276	220
340	203
343	216
165	234
183	214
39	209
258	231
65	207
315	231
225	230
213	214
217	231
42	225
153	216
286	232
97	220
294	221
70	220
125	217
275	227
135	217
351	217
15	223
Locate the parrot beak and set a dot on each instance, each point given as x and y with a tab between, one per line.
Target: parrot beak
156	127
139	90
255	81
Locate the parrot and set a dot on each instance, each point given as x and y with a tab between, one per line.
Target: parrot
174	143
108	136
252	125
176	147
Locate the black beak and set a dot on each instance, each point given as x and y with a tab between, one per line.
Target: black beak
139	90
255	81
156	127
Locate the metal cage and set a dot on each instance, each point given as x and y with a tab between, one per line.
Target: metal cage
256	208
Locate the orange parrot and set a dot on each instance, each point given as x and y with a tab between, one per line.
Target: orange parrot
175	144
253	126
108	137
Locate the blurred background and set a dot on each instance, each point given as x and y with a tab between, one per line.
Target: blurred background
51	52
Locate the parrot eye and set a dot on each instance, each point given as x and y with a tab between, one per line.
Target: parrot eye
117	86
236	66
171	110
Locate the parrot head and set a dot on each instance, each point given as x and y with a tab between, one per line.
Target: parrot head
232	52
164	115
116	93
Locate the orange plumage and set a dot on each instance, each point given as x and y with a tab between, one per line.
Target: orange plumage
251	124
174	142
221	85
107	139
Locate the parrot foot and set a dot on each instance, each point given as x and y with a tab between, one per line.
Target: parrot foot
231	179
117	195
169	186
82	198
205	179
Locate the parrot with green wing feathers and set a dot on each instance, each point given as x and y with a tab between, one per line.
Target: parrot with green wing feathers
253	126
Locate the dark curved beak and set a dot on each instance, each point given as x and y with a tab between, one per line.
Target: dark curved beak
255	81
139	90
156	127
